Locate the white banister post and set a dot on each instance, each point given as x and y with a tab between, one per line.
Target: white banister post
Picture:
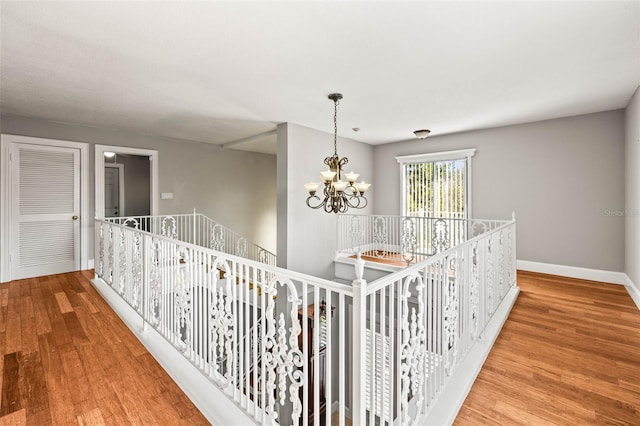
358	374
514	257
194	226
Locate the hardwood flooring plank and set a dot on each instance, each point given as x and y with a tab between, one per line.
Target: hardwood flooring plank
86	300
63	302
17	418
41	317
13	338
4	296
74	327
91	418
11	397
569	353
36	395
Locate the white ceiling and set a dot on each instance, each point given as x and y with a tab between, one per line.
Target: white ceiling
222	71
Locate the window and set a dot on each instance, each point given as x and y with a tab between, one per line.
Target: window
436	185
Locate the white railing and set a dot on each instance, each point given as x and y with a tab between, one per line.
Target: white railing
405	238
378	353
206	302
198	229
416	325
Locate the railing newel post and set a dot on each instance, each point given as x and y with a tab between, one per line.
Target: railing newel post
359	344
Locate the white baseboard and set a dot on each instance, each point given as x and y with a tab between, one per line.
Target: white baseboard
91	264
584	274
207	397
573	272
633	289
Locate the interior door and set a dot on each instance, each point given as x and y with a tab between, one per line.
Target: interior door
46	209
111	192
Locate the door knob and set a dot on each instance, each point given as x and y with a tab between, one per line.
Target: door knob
74	217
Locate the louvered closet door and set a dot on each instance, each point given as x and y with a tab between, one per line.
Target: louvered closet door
46	200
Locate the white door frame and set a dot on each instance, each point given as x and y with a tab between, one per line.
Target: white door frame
6	203
120	168
99	175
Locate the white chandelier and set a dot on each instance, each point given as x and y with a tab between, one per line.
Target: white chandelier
339	195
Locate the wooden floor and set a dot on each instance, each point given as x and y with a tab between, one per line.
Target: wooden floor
66	358
569	354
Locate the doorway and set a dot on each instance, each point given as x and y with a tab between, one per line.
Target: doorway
114	190
132	190
43	196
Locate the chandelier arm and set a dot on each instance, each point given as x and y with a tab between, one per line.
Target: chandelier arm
362	198
310	197
348	202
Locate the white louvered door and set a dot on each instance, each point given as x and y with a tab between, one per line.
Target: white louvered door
46	210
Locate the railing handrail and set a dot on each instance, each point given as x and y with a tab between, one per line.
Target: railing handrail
121	219
409	270
324	283
460	219
231	231
407	238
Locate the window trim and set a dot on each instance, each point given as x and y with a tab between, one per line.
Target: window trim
460	154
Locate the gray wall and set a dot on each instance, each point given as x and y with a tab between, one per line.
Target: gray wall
236	188
632	180
310	235
562	177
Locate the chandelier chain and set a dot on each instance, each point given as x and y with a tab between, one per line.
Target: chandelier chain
335	126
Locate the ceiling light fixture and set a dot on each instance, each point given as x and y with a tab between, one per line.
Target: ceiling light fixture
421	134
339	196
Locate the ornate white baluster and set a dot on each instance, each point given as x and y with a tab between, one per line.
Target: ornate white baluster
217	238
380	237
282	359
408	241
136	270
440	240
155	288
221	324
169	227
451	316
475	291
356	233
413	348
122	257
182	302
489	277
241	247
110	249
101	250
